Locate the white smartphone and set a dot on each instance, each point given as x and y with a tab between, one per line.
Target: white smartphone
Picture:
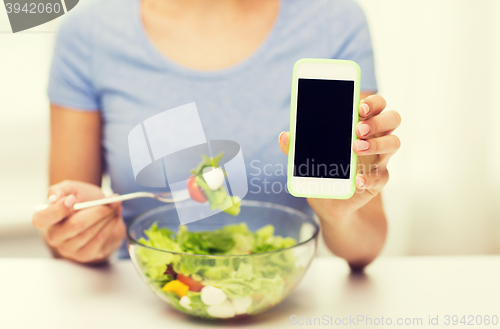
323	119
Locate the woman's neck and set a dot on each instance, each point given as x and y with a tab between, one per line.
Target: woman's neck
203	9
208	34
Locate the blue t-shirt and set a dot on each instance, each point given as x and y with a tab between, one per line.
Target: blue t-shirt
103	61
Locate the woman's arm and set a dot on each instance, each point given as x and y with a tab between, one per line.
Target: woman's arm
355	229
360	236
357	237
75	146
89	235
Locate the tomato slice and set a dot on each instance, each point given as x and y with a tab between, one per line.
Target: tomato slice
191	283
195	191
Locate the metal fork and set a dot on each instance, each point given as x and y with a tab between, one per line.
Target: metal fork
176	196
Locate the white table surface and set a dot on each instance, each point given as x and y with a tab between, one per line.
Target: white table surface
48	293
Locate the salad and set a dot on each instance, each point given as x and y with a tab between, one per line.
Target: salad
219	287
205	273
206	184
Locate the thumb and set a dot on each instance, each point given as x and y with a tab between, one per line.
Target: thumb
115	205
284	140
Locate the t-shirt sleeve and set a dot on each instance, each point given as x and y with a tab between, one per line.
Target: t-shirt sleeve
71	72
355	42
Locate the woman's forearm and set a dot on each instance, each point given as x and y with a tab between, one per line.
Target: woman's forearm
355	229
358	237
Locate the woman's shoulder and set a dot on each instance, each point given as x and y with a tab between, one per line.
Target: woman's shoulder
335	19
100	9
94	15
324	6
342	10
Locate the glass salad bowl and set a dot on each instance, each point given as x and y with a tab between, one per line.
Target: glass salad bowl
223	266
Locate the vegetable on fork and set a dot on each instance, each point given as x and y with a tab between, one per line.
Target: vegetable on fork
207	184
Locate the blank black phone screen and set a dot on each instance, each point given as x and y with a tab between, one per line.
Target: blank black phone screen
323	132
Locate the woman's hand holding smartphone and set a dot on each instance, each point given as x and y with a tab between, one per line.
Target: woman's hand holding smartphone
353	220
374	147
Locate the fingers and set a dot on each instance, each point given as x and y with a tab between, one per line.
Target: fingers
54	213
93	250
81	190
72	245
80	222
80	235
383	123
97	242
284	140
116	238
371	106
380	145
373	181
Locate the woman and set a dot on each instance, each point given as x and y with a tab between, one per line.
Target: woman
118	62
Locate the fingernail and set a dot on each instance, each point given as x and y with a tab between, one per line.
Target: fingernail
360	182
280	140
363	129
69	201
364	108
361	145
52	198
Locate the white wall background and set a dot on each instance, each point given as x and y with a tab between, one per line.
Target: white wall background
437	63
24	121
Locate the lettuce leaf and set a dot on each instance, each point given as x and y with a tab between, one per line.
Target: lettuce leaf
266	241
207	162
204	243
155	261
